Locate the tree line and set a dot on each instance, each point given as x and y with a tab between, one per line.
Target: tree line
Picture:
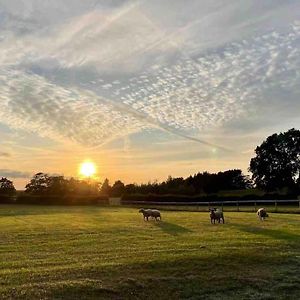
195	184
44	184
276	166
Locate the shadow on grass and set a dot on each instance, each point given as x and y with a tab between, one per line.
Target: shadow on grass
272	233
16	210
181	278
22	213
171	228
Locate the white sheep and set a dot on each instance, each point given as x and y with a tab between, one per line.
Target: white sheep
154	213
262	214
216	214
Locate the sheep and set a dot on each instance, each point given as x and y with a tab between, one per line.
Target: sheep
146	213
262	214
216	214
154	213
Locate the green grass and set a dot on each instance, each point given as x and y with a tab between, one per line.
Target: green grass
111	253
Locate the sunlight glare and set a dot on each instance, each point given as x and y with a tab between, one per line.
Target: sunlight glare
87	169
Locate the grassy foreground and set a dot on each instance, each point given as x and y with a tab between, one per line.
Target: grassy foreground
111	253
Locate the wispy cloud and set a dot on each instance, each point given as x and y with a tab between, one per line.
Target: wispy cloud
13	174
5	154
94	71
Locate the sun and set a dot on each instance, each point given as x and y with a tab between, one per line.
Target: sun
87	169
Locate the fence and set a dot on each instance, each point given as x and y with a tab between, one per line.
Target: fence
244	205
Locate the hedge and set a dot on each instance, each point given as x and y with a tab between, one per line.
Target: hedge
7	199
61	200
203	198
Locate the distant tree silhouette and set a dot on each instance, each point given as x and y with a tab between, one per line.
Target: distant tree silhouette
197	184
42	183
82	187
105	188
38	184
131	188
200	183
118	189
6	186
277	162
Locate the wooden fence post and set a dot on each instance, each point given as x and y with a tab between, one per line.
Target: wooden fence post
275	206
237	204
255	206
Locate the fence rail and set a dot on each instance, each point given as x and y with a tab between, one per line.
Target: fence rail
209	202
233	205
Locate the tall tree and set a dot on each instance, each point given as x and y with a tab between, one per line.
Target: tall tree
6	186
105	188
277	162
118	188
38	184
57	185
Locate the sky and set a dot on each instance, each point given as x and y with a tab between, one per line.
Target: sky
144	89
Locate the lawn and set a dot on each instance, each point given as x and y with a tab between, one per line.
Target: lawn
111	253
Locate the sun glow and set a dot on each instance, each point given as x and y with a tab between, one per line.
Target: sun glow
87	169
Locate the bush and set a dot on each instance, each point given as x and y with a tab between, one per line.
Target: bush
203	198
7	199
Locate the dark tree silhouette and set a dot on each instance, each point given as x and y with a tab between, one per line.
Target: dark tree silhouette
118	188
6	187
277	162
38	184
131	188
42	183
194	185
105	188
77	187
57	185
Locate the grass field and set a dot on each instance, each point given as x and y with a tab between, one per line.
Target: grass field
111	253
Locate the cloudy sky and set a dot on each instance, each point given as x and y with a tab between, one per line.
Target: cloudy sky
144	88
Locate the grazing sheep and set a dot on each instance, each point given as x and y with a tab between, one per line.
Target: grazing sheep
146	213
262	214
216	214
154	213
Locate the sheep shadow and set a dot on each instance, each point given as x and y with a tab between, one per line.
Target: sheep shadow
171	228
272	233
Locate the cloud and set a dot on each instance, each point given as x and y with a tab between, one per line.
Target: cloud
13	173
96	72
4	154
34	104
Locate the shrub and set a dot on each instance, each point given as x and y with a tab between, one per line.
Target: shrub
7	199
61	200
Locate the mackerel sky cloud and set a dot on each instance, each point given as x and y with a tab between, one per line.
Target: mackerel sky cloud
130	79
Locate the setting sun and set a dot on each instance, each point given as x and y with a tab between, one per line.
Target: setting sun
87	169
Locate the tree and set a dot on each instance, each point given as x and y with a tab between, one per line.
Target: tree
57	185
118	188
131	188
233	180
277	162
6	187
105	188
42	183
38	184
